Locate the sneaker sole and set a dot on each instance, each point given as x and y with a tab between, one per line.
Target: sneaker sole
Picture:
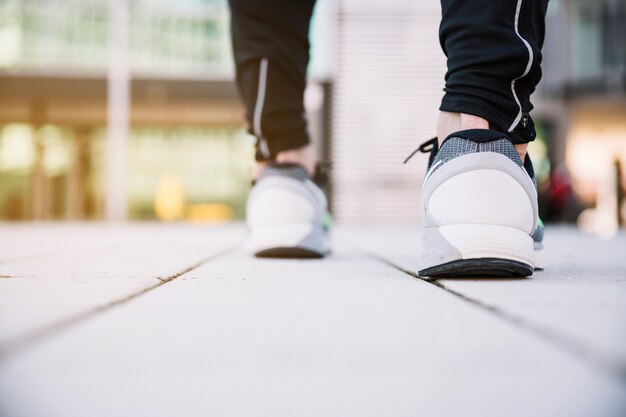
479	268
470	250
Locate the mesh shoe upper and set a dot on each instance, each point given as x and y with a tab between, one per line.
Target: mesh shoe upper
454	147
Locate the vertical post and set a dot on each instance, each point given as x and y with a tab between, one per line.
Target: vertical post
39	191
78	176
118	100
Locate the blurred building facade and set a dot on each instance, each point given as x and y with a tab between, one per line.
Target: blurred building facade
188	153
186	139
189	156
389	81
388	84
581	104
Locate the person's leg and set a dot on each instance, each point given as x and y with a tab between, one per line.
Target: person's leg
494	57
271	51
479	200
285	211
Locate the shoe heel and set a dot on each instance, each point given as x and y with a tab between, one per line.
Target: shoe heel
287	241
476	249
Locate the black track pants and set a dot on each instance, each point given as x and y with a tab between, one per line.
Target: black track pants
493	50
271	49
494	60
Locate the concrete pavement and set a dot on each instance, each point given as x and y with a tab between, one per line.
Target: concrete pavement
161	320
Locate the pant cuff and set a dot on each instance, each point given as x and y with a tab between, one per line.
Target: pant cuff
284	142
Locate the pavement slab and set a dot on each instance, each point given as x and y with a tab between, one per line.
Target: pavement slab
353	334
579	300
54	272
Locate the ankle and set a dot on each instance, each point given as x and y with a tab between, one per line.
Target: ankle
305	156
450	122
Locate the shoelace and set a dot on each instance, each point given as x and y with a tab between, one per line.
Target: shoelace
430	146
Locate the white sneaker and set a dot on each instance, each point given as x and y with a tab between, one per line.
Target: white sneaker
479	207
287	214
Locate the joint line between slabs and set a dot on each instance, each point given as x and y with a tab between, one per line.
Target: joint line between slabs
19	343
614	367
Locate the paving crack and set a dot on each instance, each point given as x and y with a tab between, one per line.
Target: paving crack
615	367
18	344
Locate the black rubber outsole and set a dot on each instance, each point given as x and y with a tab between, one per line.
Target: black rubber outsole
289	253
475	268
